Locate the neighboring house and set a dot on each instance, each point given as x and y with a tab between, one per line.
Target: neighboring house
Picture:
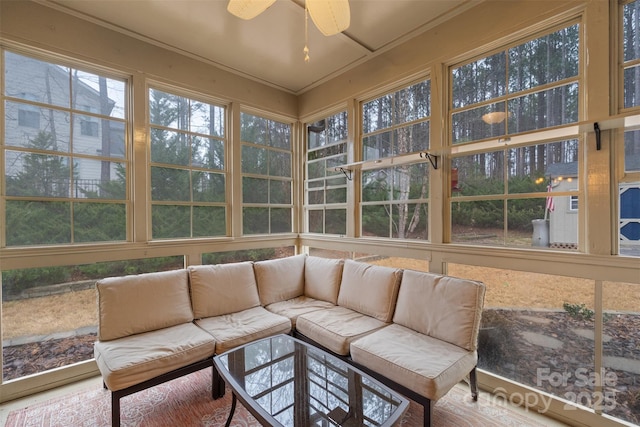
563	219
629	205
81	138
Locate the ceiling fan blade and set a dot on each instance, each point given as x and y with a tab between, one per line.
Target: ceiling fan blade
248	9
330	16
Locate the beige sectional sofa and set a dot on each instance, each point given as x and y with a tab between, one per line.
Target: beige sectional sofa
415	331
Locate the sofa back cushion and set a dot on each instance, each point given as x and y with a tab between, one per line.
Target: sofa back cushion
443	307
222	289
134	304
369	289
322	278
280	279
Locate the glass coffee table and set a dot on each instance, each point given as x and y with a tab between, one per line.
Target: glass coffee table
283	381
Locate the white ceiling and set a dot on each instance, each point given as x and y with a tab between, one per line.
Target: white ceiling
268	48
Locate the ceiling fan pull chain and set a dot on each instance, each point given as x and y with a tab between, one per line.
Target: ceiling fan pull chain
306	34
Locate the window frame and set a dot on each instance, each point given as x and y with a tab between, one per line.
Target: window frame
505	98
390	165
623	64
334	180
531	138
192	204
625	178
27	101
272	209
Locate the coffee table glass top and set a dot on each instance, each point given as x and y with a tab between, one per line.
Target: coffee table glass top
284	381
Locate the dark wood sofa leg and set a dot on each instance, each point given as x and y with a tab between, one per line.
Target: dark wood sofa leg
473	383
115	410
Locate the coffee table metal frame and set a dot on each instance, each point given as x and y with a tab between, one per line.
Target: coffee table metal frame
265	418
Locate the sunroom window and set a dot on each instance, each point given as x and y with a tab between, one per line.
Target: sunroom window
524	196
188	179
629	186
513	189
526	87
395	199
62	186
326	187
267	203
631	54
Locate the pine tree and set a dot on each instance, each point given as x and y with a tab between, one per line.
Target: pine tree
42	175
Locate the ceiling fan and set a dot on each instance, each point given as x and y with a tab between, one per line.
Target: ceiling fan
330	16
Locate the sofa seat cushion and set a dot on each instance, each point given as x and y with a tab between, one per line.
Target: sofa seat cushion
335	328
235	329
426	365
131	360
292	308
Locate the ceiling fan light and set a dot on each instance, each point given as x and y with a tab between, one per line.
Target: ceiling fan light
330	16
248	9
495	117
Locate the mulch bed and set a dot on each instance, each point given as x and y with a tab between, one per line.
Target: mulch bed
502	350
26	359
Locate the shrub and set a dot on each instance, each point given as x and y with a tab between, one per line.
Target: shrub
16	281
578	311
495	341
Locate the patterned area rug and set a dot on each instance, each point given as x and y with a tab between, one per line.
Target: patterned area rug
187	401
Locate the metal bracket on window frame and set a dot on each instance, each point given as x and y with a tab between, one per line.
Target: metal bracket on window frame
596	129
344	171
433	159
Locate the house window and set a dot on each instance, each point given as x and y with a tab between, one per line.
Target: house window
632	151
631	54
89	128
28	115
573	203
267	202
88	124
28	118
56	185
326	188
188	179
395	200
